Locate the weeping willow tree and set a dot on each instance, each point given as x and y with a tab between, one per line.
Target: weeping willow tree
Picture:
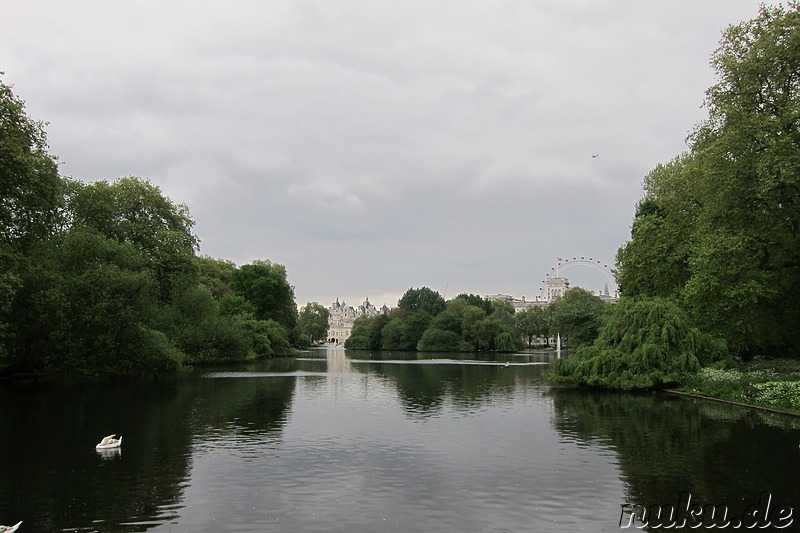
642	343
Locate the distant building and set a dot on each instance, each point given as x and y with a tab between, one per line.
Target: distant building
556	288
341	317
518	303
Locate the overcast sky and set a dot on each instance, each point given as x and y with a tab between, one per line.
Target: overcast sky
373	146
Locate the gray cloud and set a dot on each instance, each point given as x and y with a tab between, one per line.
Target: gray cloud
371	147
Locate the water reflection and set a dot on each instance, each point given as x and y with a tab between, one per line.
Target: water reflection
666	445
107	455
343	441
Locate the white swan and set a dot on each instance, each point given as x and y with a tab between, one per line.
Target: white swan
108	442
9	529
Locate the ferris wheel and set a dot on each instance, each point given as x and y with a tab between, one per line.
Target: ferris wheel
581	262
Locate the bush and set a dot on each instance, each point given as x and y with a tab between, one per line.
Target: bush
438	340
779	394
641	344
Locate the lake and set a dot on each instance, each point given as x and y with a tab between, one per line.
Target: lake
359	441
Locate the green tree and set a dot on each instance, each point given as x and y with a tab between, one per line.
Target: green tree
31	195
9	284
503	311
265	285
31	191
135	211
392	334
719	228
422	299
194	323
532	323
749	257
87	305
506	342
367	333
576	316
312	323
233	304
448	320
215	274
439	340
477	301
485	331
655	261
101	279
642	343
471	317
413	328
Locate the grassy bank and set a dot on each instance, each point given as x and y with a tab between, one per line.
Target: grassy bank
772	383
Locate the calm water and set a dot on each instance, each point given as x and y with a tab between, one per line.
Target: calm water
336	442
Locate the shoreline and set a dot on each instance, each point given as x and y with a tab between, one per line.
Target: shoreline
733	402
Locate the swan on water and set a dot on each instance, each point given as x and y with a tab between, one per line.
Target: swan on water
109	442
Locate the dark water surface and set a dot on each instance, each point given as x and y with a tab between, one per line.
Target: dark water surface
383	442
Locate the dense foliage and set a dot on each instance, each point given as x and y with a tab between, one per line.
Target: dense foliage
424	321
312	323
718	229
102	279
576	316
642	343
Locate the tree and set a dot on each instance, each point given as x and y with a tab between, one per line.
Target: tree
503	311
9	284
135	211
532	323
576	316
101	279
215	274
193	321
312	323
655	261
413	328
719	228
471	317
750	256
392	334
448	320
30	187
506	342
367	333
264	284
87	305
30	200
477	301
642	343
422	299
403	330
438	340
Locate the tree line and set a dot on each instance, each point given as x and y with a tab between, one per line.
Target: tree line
424	321
104	280
712	269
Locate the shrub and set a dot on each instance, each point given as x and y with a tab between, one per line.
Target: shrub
642	343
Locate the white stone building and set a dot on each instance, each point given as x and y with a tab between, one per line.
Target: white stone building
341	317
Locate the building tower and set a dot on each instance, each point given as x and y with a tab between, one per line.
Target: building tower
556	288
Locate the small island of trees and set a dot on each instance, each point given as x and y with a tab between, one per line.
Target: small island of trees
424	322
